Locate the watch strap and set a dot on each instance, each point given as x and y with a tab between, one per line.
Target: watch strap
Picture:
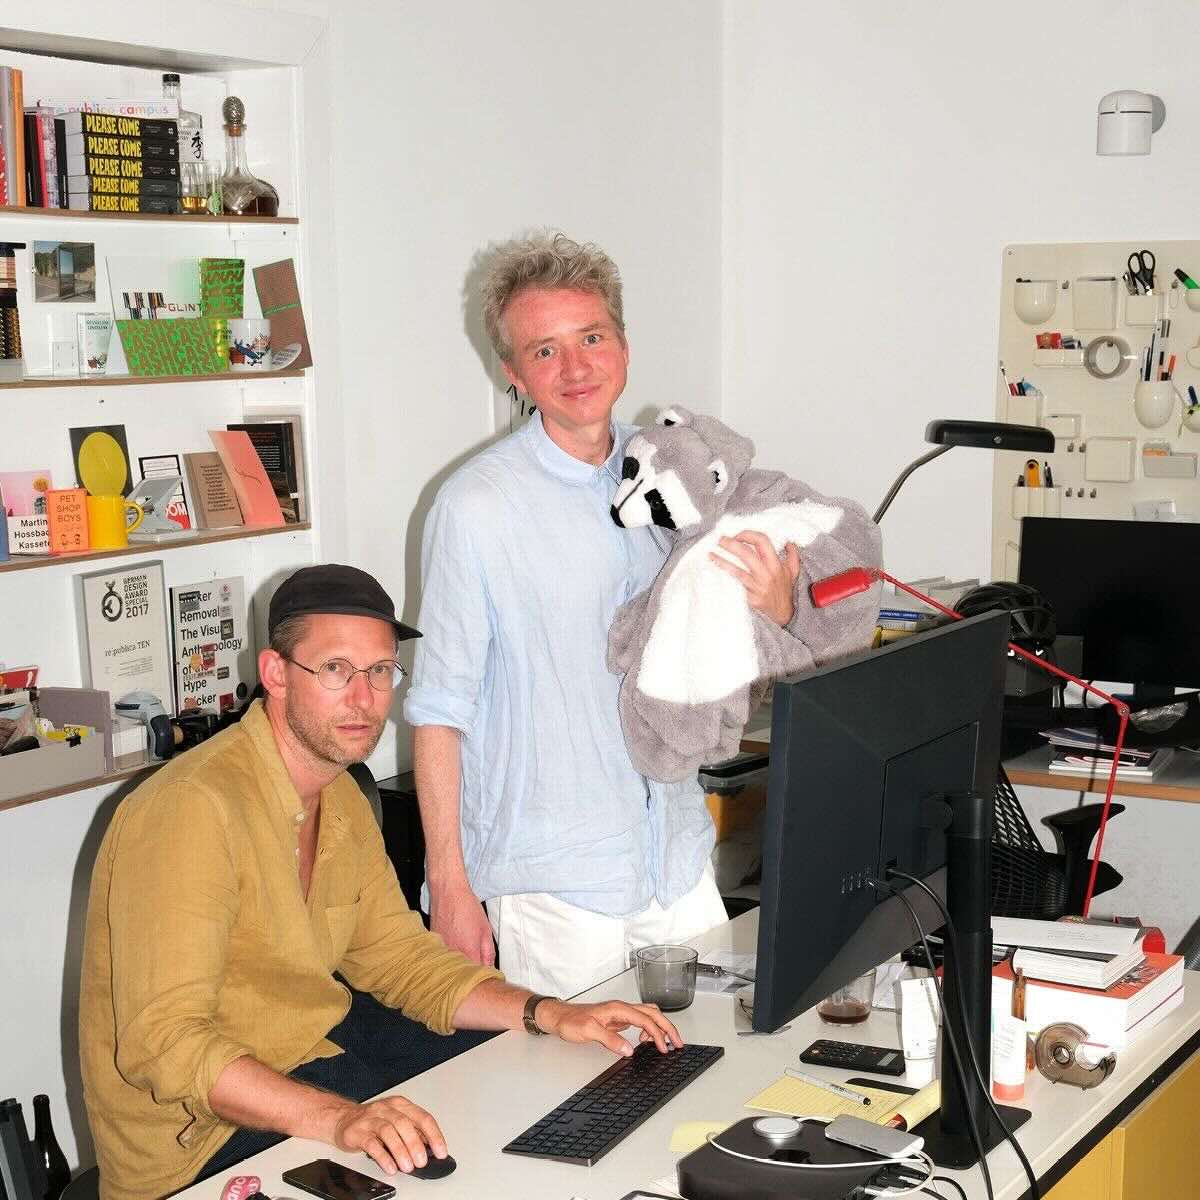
531	1026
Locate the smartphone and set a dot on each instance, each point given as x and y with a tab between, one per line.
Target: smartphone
329	1179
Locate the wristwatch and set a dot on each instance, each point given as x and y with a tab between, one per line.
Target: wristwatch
531	1026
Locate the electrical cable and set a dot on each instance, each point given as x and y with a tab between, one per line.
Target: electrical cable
958	1187
956	1055
952	938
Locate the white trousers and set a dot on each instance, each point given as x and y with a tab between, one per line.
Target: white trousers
557	949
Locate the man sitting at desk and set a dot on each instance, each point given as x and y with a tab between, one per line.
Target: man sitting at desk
228	890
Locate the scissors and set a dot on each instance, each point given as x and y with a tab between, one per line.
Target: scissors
1141	269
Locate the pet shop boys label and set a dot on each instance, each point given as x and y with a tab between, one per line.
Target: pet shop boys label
123	631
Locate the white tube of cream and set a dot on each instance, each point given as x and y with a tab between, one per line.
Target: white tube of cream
919	1028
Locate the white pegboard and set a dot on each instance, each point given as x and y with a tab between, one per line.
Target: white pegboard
1088	307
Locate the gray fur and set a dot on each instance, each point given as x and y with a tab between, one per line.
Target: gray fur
695	659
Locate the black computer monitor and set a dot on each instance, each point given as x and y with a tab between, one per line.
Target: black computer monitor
869	759
1129	589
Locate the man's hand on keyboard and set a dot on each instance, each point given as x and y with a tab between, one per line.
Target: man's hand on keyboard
603	1023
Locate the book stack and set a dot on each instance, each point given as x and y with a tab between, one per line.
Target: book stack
1081	752
1101	977
1113	1016
118	163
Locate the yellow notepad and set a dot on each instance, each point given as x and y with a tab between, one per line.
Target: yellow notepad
795	1098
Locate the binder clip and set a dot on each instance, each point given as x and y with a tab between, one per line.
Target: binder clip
1064	1055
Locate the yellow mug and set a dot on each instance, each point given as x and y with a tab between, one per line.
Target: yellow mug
108	525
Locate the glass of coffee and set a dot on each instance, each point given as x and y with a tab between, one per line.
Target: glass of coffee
849	1004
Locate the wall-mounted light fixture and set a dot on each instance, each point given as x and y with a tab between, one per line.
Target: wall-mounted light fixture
1125	120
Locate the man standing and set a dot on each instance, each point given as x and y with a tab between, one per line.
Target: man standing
229	889
527	793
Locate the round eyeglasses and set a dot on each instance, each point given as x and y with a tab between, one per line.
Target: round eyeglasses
336	673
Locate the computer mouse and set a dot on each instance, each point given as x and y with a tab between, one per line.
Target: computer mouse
435	1168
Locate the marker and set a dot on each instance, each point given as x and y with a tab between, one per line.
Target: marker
835	1088
1049	476
1187	281
1032	474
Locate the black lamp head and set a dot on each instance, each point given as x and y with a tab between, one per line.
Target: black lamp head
990	435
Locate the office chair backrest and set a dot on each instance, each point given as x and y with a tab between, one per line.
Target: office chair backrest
1027	881
361	774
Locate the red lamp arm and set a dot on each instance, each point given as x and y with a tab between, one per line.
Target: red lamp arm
858	579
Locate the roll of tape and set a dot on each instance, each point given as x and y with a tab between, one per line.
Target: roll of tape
1064	1055
1107	356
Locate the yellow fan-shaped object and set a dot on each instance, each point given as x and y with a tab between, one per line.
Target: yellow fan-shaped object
102	465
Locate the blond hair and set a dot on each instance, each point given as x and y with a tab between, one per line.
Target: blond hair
546	260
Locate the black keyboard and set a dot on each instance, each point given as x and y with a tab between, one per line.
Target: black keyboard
587	1125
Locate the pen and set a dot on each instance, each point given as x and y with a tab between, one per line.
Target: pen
836	1088
1048	475
1192	396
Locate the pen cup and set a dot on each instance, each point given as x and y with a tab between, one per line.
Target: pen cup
1034	300
666	976
850	1004
1153	401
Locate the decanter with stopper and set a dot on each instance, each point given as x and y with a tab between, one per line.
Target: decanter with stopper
241	192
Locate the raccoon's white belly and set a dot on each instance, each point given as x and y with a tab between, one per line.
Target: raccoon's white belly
701	645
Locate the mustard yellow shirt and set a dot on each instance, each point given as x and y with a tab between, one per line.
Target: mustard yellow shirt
200	948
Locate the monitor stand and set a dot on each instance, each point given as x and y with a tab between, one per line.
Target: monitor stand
968	897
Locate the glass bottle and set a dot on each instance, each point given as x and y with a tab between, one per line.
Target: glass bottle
191	125
241	192
46	1146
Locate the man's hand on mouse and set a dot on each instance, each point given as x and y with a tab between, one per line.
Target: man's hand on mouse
603	1023
398	1134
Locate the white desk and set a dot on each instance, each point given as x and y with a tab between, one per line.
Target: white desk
484	1098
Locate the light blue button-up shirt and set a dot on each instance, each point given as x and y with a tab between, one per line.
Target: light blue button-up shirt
523	569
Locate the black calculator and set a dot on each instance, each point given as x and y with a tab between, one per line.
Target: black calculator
850	1056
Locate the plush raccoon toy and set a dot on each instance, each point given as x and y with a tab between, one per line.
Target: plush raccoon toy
695	657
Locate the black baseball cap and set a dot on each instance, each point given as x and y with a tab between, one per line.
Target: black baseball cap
334	588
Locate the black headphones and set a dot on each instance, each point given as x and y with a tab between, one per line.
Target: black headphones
1030	614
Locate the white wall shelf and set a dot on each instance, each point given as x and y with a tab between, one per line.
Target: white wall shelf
200	219
64	381
202	537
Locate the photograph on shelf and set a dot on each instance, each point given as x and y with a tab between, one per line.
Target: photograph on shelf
64	272
214	659
124	639
155	466
101	457
23	494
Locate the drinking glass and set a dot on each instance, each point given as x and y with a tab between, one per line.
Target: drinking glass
849	1004
666	976
193	188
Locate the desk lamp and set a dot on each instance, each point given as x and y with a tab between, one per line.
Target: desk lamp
985	435
992	435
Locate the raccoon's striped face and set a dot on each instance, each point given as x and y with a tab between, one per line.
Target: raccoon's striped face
647	496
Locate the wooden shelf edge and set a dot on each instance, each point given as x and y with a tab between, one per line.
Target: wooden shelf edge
200	538
1146	788
49	381
69	214
81	786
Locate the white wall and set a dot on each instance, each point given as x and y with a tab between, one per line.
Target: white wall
878	157
468	123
